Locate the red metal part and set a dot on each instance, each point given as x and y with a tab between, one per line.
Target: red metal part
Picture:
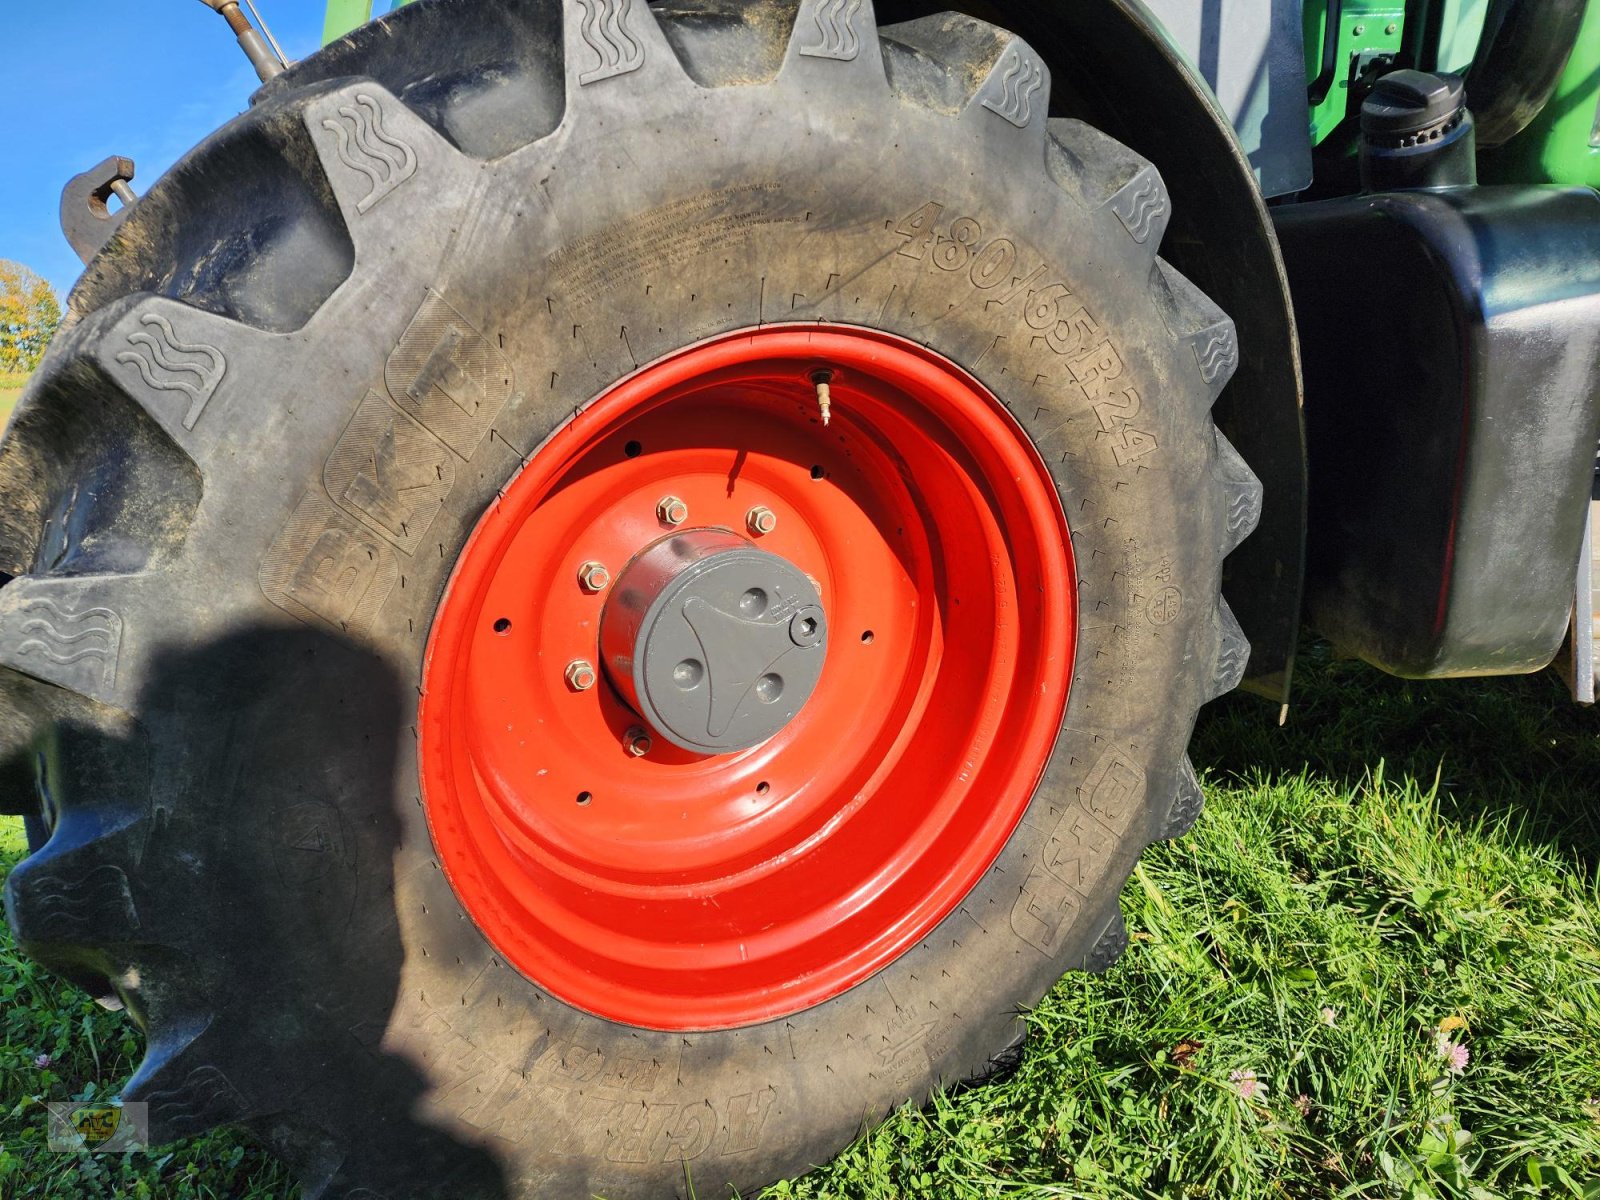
675	891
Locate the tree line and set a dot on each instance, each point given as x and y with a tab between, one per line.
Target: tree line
29	315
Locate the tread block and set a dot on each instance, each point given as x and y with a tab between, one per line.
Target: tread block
67	898
1108	947
490	84
1188	800
1216	354
964	67
187	1104
604	32
189	370
1233	653
72	645
1142	206
167	364
607	41
1242	493
1012	103
1017	89
1100	172
1192	317
833	40
834	29
385	164
73	895
362	143
68	632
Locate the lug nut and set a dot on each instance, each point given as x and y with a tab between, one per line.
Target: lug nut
593	576
637	741
760	519
672	511
580	675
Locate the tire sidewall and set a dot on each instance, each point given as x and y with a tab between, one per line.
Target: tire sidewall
643	244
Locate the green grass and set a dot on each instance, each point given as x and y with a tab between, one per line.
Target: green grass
1403	856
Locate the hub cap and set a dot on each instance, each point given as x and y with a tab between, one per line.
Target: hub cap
714	643
827	662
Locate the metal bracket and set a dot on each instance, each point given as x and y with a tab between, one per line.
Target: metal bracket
86	217
1353	35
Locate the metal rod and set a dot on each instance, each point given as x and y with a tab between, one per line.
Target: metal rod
267	33
266	63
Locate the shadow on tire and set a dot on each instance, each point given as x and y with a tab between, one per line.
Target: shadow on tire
229	866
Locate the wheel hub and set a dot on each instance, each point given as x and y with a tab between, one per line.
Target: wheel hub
716	644
677	803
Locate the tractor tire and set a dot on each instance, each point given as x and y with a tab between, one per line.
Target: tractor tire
309	700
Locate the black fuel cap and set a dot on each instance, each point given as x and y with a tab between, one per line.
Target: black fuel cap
1412	106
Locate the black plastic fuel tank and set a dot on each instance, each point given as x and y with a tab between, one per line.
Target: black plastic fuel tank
1451	346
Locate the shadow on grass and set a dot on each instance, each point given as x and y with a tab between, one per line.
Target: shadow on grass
1513	749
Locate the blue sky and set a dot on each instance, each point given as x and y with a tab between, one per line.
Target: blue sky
84	79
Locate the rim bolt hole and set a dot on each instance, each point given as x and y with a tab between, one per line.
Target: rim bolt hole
502	625
817	471
633	449
584	798
866	637
763	788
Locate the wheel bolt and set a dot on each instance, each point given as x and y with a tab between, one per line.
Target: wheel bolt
637	741
593	576
580	675
671	510
760	519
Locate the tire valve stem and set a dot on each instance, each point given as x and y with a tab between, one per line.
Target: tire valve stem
824	399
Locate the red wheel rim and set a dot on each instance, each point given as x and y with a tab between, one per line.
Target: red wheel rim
682	891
